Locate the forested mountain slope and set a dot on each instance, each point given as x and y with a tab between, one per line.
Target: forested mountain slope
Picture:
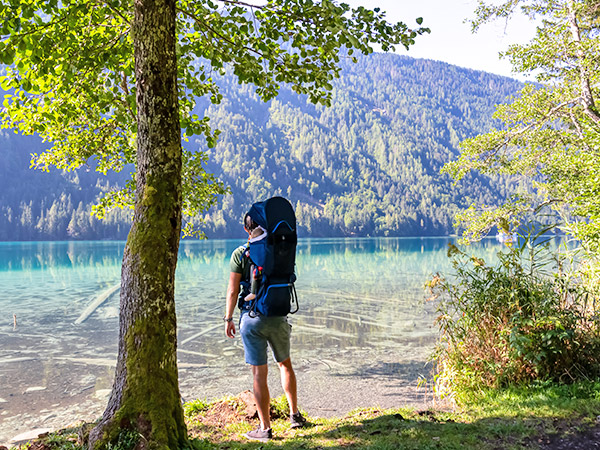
36	205
367	165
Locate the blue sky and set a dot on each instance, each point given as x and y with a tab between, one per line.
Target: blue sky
451	39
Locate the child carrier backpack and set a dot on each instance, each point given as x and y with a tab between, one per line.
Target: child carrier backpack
276	256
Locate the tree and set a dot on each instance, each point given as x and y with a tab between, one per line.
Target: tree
114	82
551	132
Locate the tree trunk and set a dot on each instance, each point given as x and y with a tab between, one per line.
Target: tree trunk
145	395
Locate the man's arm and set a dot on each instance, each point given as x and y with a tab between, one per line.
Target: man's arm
233	290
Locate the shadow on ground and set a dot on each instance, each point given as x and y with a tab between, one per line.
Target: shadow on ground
409	430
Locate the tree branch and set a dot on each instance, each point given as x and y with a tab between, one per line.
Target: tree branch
537	123
199	21
275	12
488	156
587	98
35	29
248	5
125	89
116	11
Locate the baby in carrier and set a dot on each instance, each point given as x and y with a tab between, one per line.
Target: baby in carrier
257	234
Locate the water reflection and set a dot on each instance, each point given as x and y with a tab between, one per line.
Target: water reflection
353	292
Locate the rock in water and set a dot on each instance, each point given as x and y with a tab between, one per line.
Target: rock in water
35	389
30	435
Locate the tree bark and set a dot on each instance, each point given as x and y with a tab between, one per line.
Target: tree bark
145	395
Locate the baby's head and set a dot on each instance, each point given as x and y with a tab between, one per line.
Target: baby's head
249	224
256	232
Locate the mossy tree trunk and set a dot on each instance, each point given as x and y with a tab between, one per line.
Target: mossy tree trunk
145	395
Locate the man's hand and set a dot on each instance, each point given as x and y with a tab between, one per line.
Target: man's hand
230	329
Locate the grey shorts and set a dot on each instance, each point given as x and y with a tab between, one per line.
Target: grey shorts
259	331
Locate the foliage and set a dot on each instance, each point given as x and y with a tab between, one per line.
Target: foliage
550	131
515	322
126	440
71	74
62	440
280	407
196	406
70	439
542	398
367	165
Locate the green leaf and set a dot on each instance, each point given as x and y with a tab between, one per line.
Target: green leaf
7	56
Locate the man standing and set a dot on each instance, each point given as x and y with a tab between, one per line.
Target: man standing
258	332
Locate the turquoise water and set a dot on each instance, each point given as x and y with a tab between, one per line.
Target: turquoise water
350	288
362	317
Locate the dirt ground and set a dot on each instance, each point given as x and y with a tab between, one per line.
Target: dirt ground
572	439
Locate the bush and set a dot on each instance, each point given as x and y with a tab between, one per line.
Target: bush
280	408
196	407
524	319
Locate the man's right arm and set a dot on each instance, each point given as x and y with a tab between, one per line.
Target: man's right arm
233	290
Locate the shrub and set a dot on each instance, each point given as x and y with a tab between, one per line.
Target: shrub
196	406
280	409
523	319
126	440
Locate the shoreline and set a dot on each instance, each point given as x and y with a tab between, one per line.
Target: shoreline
324	390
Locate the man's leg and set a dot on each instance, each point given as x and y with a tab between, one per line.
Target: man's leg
288	382
261	395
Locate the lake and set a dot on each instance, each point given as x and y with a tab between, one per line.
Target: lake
362	335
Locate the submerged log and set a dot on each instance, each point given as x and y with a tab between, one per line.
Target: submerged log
87	312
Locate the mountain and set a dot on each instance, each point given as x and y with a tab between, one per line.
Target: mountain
366	166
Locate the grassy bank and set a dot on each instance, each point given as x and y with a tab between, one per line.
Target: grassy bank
543	416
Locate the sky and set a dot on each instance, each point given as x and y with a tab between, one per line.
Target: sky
451	39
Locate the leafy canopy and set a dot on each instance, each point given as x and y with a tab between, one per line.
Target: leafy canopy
550	133
70	71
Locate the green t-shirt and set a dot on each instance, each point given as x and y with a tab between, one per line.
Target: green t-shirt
240	264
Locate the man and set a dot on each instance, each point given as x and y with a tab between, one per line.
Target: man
257	332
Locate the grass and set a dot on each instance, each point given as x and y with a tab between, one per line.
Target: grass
515	418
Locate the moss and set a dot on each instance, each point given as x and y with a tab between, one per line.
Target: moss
151	401
152	379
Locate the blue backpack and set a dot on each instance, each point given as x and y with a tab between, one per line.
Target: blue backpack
276	256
